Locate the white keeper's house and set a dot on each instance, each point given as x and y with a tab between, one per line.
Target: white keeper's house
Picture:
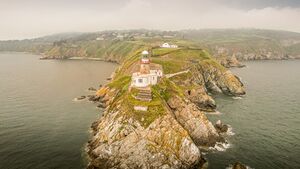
146	73
167	45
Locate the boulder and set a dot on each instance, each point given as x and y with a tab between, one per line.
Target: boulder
238	165
94	98
220	127
81	97
101	105
92	89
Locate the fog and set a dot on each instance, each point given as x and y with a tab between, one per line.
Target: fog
33	18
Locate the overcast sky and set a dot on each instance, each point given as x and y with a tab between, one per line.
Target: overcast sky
32	18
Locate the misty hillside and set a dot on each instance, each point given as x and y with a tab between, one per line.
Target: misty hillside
244	44
248	43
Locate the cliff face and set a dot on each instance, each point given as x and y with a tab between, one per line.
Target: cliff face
122	140
208	76
121	143
195	122
219	79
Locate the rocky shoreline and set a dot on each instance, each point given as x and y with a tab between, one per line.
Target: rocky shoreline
173	139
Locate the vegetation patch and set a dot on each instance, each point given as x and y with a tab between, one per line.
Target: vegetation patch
145	118
120	82
163	51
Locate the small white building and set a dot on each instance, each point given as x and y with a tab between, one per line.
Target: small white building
146	73
99	38
167	45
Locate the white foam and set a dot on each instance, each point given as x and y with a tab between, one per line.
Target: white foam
213	113
229	131
237	98
220	146
78	100
75	100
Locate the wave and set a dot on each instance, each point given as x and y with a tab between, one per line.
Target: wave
237	98
219	146
230	131
213	113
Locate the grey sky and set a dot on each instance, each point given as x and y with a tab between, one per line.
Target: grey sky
33	18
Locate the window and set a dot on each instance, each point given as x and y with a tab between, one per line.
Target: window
140	80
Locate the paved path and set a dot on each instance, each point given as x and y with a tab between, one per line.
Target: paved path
175	74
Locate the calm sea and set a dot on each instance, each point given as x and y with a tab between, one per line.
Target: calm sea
266	122
40	126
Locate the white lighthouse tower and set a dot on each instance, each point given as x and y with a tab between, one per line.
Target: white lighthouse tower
148	73
145	63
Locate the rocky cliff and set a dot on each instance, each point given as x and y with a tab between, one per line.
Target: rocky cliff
232	45
172	131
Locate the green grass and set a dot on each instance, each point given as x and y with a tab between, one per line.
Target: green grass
166	89
155	108
172	61
120	82
162	51
169	66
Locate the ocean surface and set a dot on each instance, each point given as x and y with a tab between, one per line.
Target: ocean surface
41	127
266	122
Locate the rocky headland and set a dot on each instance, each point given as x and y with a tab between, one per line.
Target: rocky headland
174	130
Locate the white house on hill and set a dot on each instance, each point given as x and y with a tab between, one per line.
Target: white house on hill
146	73
167	45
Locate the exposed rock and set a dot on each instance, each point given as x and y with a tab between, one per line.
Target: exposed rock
221	128
123	143
238	165
101	105
199	96
94	98
214	75
195	122
92	89
102	91
81	98
229	62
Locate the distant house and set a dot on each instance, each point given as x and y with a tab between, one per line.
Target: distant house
100	38
167	45
173	46
146	73
121	37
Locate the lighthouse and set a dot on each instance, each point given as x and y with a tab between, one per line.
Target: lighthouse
145	63
147	73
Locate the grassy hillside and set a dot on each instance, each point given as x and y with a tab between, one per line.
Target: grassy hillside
263	43
243	43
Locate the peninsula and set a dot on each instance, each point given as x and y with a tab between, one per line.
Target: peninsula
155	107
